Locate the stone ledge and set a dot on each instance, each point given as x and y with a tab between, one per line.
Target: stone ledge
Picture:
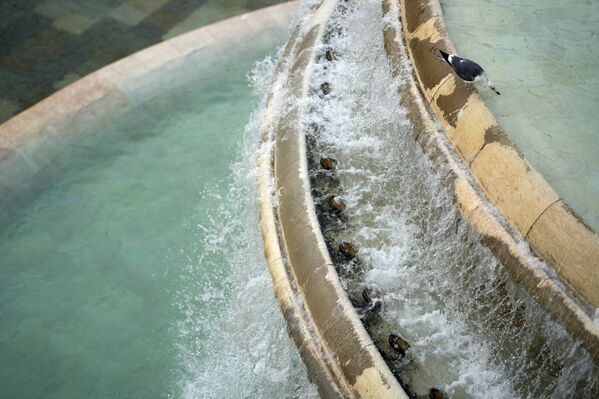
517	190
342	359
561	238
496	233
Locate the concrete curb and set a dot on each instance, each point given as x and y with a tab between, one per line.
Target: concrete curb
531	210
338	352
33	139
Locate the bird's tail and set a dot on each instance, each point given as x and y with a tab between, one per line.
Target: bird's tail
445	56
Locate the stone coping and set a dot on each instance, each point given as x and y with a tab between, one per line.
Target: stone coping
33	139
553	230
336	348
496	172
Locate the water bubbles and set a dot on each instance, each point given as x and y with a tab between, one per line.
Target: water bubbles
472	331
232	340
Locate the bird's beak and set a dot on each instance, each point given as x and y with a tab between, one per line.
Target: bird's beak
497	92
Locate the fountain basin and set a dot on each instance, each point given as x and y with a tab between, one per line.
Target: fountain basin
136	269
532	209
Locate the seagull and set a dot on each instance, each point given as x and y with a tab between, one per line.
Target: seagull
468	70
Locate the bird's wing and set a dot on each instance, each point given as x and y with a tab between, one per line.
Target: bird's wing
466	69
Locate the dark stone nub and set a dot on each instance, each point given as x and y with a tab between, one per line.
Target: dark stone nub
336	202
348	250
435	393
330	55
325	87
370	293
376	306
372	297
328	163
400	345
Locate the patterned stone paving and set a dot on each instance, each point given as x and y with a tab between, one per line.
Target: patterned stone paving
47	44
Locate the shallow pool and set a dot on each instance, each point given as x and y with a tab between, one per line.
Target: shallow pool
139	273
543	58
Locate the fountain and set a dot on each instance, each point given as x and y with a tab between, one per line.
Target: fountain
456	280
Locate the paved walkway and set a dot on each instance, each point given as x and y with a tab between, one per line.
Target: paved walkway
47	44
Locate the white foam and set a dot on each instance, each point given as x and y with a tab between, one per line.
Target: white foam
233	341
473	332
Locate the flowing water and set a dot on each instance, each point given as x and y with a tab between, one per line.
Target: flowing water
472	331
139	273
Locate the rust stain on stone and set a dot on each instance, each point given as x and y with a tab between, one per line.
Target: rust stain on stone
495	134
452	103
417	13
430	69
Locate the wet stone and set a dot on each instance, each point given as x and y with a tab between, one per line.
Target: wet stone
330	55
325	88
331	222
371	293
372	297
435	393
336	203
328	163
326	182
348	250
399	344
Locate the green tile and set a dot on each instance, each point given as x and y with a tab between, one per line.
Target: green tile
128	15
74	23
8	109
21	27
172	13
147	6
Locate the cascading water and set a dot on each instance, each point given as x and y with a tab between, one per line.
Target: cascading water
138	273
233	341
473	332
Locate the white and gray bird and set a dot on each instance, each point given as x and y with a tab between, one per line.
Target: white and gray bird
468	70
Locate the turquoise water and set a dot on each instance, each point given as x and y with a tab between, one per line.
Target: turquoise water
139	273
543	57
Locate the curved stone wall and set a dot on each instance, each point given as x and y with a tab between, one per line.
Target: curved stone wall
553	230
531	209
31	141
338	352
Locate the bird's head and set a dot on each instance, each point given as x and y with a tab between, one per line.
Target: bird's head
492	87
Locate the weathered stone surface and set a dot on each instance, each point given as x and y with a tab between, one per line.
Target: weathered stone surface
419	13
465	118
519	191
572	247
528	202
340	356
430	76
